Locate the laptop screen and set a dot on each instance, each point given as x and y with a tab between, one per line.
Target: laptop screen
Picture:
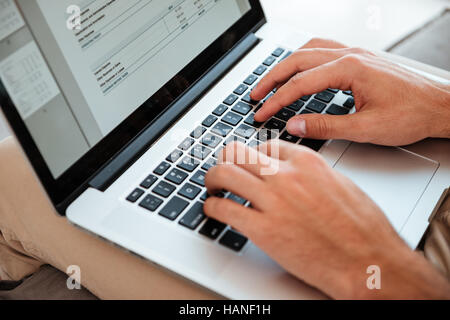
95	62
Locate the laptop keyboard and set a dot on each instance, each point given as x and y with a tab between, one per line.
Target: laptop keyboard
175	190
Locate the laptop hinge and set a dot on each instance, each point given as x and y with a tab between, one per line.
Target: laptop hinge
136	148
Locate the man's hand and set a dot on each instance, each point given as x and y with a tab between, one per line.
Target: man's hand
316	223
394	106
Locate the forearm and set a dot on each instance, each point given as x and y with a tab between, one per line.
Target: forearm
441	113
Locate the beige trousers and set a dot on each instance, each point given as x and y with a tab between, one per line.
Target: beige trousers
31	234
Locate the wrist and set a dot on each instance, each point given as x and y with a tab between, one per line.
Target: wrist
441	113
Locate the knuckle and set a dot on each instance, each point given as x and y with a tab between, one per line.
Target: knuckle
354	59
322	127
297	80
361	51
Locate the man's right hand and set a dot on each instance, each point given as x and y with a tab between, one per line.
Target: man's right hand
394	106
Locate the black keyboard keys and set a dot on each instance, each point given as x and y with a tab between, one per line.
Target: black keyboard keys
289	138
164	189
222	129
285	114
278	52
232	118
200	152
233	139
162	168
174	208
275	124
315	145
149	181
233	240
242	108
266	135
316	106
230	99
174	156
151	203
325	96
260	70
251	79
350	103
209	121
194	217
135	195
245	131
189	191
211	140
186	144
220	110
189	164
237	199
336	110
199	178
211	162
251	121
176	176
297	105
198	132
212	229
269	61
240	90
249	100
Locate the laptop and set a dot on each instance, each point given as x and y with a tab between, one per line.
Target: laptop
123	106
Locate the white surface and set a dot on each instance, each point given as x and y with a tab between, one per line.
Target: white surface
373	24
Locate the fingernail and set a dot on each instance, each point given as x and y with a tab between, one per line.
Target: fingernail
297	127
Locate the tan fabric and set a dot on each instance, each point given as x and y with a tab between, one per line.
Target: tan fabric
32	234
437	243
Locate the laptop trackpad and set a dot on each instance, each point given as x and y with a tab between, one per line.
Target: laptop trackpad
393	177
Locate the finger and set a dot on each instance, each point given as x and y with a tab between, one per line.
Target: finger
247	158
278	149
229	212
299	61
239	182
325	127
336	74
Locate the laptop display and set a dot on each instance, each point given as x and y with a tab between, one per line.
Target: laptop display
88	71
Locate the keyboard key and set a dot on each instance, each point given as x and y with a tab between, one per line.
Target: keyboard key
333	90
278	52
266	135
240	90
285	114
194	217
174	208
217	153
260	70
151	203
209	121
234	139
211	140
289	138
297	105
315	145
306	112
222	129
176	176
198	132
269	61
348	92
336	110
186	144
305	98
232	98
270	95
189	191
325	96
211	162
164	189
287	55
175	156
249	100
242	108
149	181
199	178
233	240
200	152
212	229
251	79
237	199
189	164
135	195
245	131
205	196
251	121
220	110
350	103
275	124
162	168
232	118
254	144
316	106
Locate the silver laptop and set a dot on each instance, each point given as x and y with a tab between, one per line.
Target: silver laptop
123	106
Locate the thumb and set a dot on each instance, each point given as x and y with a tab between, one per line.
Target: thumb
326	127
